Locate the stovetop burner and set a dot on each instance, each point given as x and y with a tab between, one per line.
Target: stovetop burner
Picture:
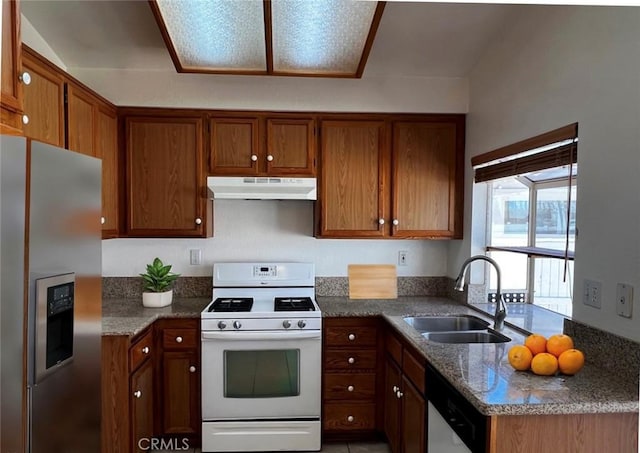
293	304
232	304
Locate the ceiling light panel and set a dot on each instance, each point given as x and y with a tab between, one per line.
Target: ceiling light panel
320	36
216	35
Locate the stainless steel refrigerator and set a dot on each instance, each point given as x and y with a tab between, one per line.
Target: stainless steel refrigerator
50	299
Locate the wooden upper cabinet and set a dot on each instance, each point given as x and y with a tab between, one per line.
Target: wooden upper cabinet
425	179
81	120
106	145
10	86
166	190
290	146
43	100
353	179
234	146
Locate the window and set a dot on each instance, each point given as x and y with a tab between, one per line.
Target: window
531	216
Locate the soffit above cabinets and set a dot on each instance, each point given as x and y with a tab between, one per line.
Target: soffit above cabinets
318	38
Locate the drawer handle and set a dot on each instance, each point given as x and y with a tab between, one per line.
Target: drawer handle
192	369
350	418
350	388
351	360
145	350
178	339
137	393
352	336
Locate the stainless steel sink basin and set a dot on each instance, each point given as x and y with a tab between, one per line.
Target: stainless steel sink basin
446	323
487	336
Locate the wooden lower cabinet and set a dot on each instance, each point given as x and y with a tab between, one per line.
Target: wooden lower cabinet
179	380
351	379
142	405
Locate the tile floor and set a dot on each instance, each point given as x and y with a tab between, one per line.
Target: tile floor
343	447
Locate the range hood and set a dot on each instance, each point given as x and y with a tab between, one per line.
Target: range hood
261	188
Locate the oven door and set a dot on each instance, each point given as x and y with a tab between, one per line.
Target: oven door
261	375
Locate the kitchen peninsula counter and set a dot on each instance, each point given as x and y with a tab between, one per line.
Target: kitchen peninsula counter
481	372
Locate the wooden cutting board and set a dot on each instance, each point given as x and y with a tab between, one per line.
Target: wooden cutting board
373	281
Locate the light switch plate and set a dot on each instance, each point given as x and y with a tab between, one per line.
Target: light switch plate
624	300
195	257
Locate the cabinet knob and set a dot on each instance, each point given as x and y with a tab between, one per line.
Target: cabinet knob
351	360
350	418
137	393
198	221
395	222
350	388
395	388
25	119
270	158
381	221
399	394
178	339
254	157
145	350
103	220
351	336
25	78
192	369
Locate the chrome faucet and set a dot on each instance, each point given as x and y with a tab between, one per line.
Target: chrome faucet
501	308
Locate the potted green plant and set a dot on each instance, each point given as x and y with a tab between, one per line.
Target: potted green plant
157	284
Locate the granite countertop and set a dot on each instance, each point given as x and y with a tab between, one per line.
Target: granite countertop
129	317
480	372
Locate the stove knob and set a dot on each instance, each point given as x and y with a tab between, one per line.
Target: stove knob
236	324
302	324
222	325
286	324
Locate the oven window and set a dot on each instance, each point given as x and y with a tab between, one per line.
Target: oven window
262	373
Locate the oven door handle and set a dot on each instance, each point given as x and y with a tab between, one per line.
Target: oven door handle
251	336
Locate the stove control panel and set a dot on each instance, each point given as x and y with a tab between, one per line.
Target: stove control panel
263	270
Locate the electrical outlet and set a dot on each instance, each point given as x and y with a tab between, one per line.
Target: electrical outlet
592	293
402	258
624	300
195	257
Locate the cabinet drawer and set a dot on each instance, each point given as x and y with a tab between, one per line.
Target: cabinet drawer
350	359
349	386
141	350
349	416
179	338
413	368
351	336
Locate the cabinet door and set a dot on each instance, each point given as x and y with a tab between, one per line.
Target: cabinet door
107	150
392	383
426	179
43	102
180	392
234	146
290	147
165	182
142	405
81	120
413	419
10	86
353	179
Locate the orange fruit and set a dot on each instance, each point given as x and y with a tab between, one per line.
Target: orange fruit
571	361
520	357
536	343
544	364
557	344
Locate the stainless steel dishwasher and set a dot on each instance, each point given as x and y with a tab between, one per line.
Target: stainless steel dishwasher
453	424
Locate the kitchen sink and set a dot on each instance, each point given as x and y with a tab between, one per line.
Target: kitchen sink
487	336
446	323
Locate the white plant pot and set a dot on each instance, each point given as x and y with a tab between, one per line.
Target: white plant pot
157	300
